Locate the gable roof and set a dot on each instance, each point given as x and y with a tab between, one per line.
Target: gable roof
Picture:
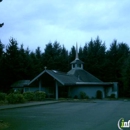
61	77
70	78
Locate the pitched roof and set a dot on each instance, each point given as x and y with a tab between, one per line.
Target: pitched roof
20	83
83	75
77	61
70	78
61	77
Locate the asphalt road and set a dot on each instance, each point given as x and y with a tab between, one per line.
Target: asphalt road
102	115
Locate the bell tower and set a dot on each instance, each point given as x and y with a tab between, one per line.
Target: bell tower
77	63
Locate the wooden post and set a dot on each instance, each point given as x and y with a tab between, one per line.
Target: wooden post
24	90
56	87
115	87
40	85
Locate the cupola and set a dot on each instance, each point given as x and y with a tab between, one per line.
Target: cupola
77	63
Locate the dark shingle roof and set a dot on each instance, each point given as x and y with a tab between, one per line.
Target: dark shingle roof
70	78
77	61
64	78
83	75
20	83
61	77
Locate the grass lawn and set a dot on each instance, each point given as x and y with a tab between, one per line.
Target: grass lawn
3	125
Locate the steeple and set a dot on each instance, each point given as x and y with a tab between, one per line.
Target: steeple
77	57
77	64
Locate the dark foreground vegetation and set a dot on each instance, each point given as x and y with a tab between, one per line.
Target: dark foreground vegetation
113	64
16	97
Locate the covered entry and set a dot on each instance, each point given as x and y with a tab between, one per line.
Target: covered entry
46	83
51	83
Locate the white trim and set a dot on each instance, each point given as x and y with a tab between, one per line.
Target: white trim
42	74
56	90
94	83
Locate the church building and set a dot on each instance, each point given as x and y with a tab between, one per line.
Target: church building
59	84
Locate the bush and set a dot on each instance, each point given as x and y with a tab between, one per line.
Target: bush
112	96
99	94
3	96
92	97
29	96
15	98
75	97
39	96
18	91
83	95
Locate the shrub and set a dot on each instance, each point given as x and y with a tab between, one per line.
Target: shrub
29	96
3	125
3	96
75	97
87	97
15	98
18	91
112	95
99	94
92	97
83	95
39	96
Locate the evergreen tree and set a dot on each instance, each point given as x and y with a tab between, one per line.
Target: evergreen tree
72	54
85	52
30	64
94	57
64	60
10	64
1	66
111	65
38	56
126	78
38	53
52	55
81	57
1	49
115	57
24	64
36	62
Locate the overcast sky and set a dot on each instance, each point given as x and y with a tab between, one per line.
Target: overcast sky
36	23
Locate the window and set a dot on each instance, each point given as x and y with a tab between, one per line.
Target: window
79	65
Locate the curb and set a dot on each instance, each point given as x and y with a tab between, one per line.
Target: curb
27	105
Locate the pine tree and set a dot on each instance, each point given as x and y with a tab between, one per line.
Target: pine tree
125	91
51	55
94	57
1	66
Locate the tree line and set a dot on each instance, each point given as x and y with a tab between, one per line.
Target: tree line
109	65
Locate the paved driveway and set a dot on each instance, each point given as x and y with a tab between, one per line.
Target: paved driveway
102	115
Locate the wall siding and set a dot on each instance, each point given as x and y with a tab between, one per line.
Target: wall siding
89	90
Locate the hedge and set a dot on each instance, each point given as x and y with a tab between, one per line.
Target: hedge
15	98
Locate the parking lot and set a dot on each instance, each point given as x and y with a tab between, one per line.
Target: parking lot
97	115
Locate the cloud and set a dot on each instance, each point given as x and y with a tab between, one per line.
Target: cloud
35	23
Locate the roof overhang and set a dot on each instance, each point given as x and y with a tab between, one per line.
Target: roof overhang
56	78
20	84
95	83
45	71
